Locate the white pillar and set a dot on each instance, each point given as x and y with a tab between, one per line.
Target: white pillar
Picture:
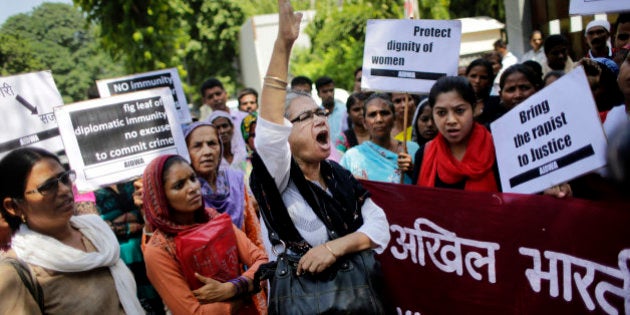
518	25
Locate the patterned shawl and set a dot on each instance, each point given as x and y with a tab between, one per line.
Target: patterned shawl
229	196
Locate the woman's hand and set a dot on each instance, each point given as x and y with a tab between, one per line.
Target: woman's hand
404	162
213	290
289	22
316	260
560	191
137	193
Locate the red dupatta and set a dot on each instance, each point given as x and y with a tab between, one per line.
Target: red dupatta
475	167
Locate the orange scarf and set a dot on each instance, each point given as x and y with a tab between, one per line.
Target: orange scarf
475	167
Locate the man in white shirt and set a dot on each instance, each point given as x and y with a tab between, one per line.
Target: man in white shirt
507	59
537	53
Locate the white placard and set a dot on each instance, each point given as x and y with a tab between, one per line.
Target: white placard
149	80
27	119
409	55
109	140
553	136
585	7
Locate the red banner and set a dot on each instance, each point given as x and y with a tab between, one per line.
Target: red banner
458	252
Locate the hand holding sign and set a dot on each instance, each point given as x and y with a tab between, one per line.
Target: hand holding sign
550	138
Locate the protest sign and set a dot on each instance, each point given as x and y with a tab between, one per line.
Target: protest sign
461	252
585	7
27	118
112	139
409	55
149	80
553	136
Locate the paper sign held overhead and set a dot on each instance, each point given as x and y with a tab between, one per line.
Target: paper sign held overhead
551	137
27	118
409	55
112	139
149	80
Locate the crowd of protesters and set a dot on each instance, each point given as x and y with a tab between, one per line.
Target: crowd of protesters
136	248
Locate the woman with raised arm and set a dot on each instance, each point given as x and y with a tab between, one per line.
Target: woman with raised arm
294	183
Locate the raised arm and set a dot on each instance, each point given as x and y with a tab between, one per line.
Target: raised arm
275	83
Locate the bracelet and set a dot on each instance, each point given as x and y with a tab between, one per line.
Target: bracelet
283	82
330	250
242	285
275	86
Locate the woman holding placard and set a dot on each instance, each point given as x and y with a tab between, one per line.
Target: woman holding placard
193	258
382	158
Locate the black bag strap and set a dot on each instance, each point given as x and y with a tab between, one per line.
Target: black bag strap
30	283
279	225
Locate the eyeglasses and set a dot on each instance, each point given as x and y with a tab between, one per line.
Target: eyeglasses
51	185
321	112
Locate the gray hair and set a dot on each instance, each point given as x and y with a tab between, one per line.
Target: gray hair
291	95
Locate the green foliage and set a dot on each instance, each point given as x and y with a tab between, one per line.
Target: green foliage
465	8
198	37
141	32
434	9
257	7
16	55
338	36
54	37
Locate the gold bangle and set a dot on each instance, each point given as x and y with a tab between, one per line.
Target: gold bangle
275	86
283	85
283	82
330	250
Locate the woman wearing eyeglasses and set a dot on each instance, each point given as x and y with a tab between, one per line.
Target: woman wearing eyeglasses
382	158
74	259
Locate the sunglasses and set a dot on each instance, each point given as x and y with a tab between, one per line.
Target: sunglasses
50	186
321	112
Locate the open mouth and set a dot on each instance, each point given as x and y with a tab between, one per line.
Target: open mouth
322	137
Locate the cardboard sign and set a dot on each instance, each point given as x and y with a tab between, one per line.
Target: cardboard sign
553	136
460	252
112	139
409	55
585	7
27	119
149	80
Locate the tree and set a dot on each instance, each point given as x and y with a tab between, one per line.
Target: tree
338	36
198	37
465	8
56	37
16	55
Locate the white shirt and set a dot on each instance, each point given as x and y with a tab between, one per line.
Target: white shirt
508	60
272	144
538	56
615	118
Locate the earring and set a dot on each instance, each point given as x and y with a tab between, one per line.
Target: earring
23	218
